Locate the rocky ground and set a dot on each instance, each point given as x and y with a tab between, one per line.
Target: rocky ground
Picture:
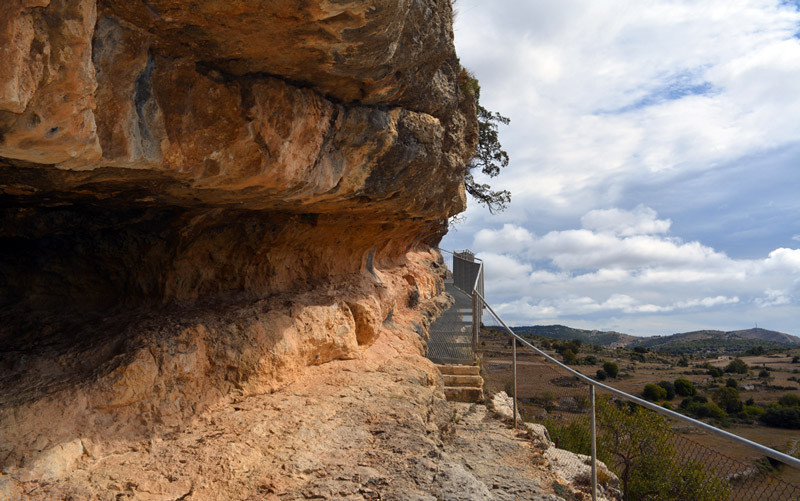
373	428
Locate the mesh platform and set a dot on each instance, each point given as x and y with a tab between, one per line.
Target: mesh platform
450	339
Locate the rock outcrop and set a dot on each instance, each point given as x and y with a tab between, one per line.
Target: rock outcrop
202	199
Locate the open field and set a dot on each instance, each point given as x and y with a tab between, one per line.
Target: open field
542	384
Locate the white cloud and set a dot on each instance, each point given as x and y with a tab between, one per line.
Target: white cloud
641	221
582	249
603	94
773	297
652	105
509	238
572	305
575	273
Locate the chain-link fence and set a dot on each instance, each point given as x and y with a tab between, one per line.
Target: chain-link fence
654	456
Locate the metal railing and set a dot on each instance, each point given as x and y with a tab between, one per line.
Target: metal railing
728	470
467	272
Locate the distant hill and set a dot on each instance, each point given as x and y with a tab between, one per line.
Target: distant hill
609	339
718	341
703	341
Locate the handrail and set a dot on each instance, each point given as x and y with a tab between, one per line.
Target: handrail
479	302
767	451
454	253
478	276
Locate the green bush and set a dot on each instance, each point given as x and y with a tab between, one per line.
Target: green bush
569	356
571	435
728	398
611	369
737	366
753	410
789	400
731	383
640	448
782	417
684	387
654	392
669	387
601	375
709	410
764	373
692	401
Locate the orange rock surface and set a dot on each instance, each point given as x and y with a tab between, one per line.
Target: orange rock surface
202	199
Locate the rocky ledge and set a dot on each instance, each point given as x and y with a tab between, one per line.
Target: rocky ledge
373	428
200	199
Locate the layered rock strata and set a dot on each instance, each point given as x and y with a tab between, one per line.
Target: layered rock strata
200	198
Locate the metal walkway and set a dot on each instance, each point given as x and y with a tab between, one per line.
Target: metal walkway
450	339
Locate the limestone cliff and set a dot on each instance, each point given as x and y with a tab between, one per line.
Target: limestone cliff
200	199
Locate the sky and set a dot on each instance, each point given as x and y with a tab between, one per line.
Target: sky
655	162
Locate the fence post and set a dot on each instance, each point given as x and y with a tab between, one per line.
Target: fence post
515	383
476	324
594	444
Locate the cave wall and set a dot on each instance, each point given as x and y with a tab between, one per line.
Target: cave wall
205	197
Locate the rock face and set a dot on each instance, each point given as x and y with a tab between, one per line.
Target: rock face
205	198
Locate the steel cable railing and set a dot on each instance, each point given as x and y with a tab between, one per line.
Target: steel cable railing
694	470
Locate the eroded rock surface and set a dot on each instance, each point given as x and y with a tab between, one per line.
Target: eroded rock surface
201	200
373	428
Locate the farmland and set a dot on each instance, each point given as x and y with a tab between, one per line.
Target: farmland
545	390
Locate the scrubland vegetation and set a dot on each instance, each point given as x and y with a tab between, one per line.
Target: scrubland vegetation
753	393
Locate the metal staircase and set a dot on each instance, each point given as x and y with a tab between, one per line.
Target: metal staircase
453	336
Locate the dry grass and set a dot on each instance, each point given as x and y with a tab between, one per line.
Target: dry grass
537	377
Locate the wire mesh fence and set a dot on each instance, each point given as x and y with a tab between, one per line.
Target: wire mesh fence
447	261
654	457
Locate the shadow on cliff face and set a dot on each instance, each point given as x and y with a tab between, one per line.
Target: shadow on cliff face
79	261
121	317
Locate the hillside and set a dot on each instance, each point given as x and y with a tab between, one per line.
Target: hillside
718	341
603	338
701	341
